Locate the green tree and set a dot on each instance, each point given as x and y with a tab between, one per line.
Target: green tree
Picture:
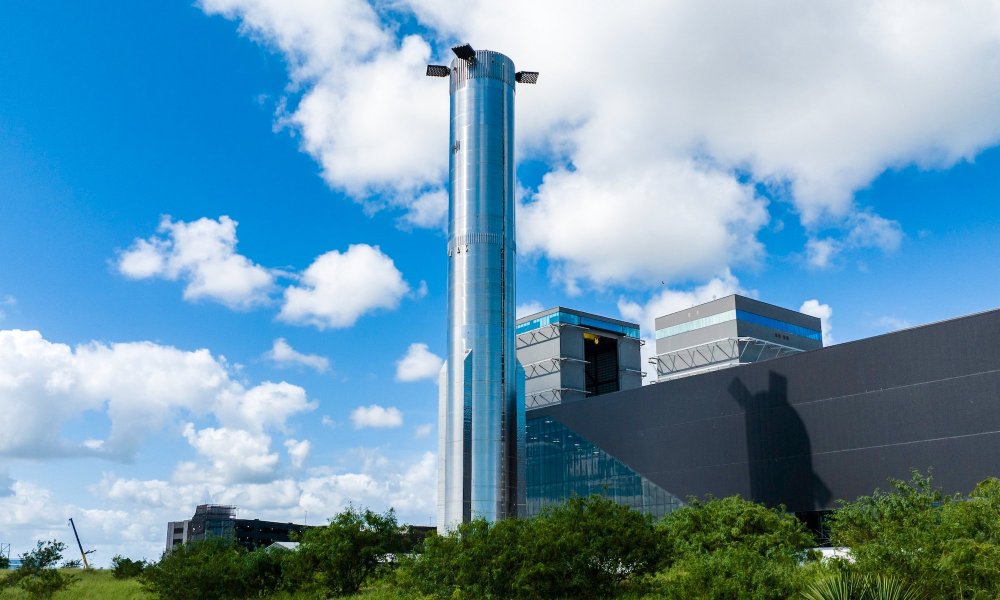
730	548
478	560
126	568
346	554
592	546
584	548
4	563
213	569
948	545
37	574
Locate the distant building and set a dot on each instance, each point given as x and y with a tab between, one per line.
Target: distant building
730	331
177	533
570	355
219	520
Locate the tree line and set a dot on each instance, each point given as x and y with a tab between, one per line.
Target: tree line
908	542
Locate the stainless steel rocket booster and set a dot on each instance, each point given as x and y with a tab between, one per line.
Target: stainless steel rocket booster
481	412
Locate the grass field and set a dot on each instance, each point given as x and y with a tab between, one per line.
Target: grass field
100	585
93	585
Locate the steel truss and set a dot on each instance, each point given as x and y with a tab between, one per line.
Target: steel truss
547	366
549	396
718	354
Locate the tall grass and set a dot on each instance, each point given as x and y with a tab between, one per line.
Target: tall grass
100	585
93	585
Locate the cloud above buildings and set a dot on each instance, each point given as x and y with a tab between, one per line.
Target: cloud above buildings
824	313
141	387
235	454
338	288
203	254
863	229
418	363
283	355
528	308
376	416
667	135
298	451
333	292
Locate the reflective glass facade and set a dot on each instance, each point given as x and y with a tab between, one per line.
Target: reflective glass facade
480	438
561	464
739	315
571	319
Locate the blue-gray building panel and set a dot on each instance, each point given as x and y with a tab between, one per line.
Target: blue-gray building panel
815	427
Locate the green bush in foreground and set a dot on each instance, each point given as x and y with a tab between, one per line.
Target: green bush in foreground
37	575
585	548
346	554
730	548
851	587
126	568
949	546
214	569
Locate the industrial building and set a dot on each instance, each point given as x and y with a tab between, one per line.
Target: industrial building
729	331
747	399
219	520
568	355
800	431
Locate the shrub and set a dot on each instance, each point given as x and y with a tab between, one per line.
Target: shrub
584	548
214	569
852	587
346	554
593	545
948	544
730	548
37	575
126	568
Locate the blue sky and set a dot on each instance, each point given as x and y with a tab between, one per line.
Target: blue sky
222	266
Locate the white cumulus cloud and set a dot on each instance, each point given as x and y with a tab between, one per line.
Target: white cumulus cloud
811	100
641	224
418	363
376	416
203	254
824	313
366	114
298	451
528	308
132	511
862	229
140	386
236	454
338	288
282	354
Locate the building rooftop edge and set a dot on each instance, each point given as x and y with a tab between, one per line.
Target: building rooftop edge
735	300
573	311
